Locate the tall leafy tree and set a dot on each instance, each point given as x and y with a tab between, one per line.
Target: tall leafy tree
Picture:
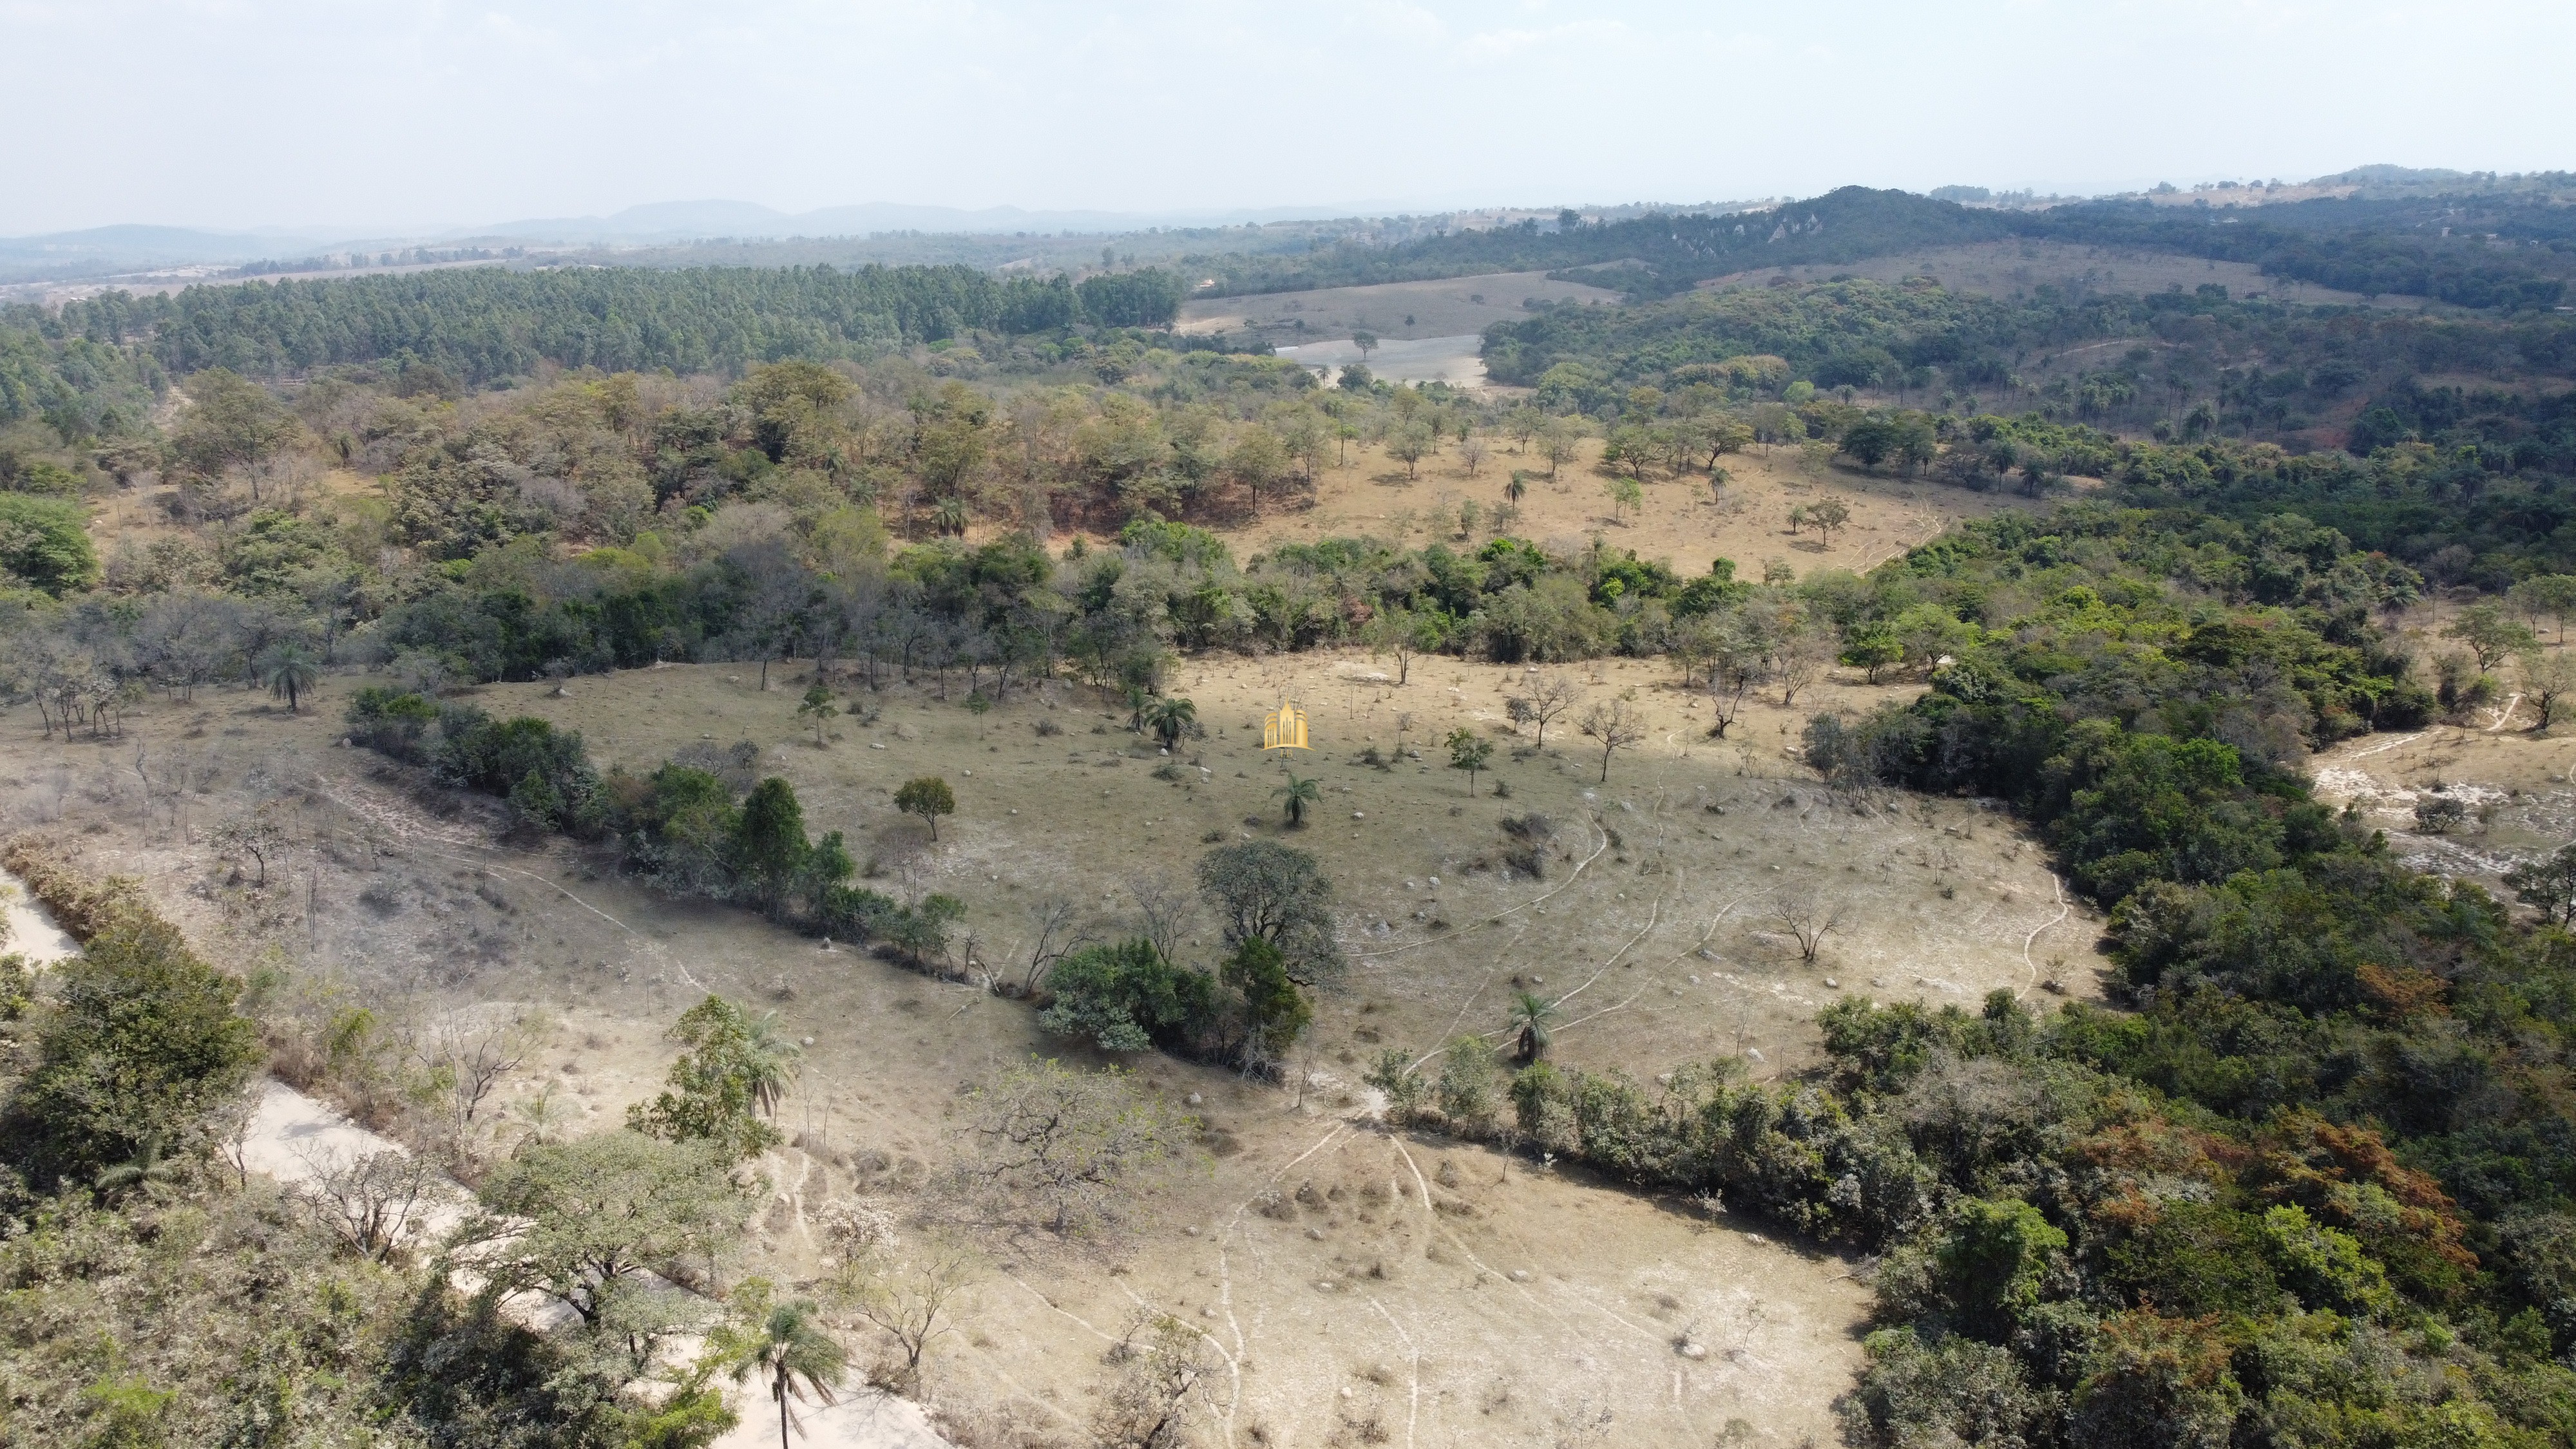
769	844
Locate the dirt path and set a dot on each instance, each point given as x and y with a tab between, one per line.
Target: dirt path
32	932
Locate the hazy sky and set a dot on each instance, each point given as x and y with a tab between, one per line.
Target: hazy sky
376	116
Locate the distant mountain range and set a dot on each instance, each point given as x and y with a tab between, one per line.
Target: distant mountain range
112	250
686	220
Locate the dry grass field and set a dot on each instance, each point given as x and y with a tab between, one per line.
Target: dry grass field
1683	520
1458	1299
1360	1286
1396	311
2015	268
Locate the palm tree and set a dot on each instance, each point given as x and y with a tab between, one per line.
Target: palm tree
143	1169
543	1117
1299	794
1530	1015
769	1061
791	1351
289	669
1169	719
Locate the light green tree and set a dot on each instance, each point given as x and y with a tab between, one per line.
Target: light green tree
786	1346
715	1090
1626	496
1469	751
928	797
579	1221
2488	633
1408	442
818	710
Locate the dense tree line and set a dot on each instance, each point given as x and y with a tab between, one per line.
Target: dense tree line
2312	1184
2247	367
91	364
2508	253
2371	247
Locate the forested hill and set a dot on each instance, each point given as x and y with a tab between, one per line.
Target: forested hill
1666	253
487	323
2508	253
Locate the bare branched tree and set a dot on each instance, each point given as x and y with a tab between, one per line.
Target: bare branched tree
1614	727
1074	1148
1807	918
373	1200
1552	696
1799	654
258	834
1161	1387
1164	910
466	1063
1056	940
909	1296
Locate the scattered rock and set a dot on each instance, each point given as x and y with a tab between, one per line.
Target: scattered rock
1754	1052
1195	1099
1520	1275
872	744
1832	985
1688	1349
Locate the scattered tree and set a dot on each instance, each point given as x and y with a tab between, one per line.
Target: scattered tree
1275	1011
1170	718
1403	633
577	1221
1161	1387
817	711
1826	515
1531	1016
1408	443
257	833
911	1299
2488	633
2548	677
785	1345
1298	793
1469	751
1263	889
290	672
2548	884
1077	1148
1613	726
1625	497
928	797
141	1043
372	1200
1808	920
718	1086
1553	695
